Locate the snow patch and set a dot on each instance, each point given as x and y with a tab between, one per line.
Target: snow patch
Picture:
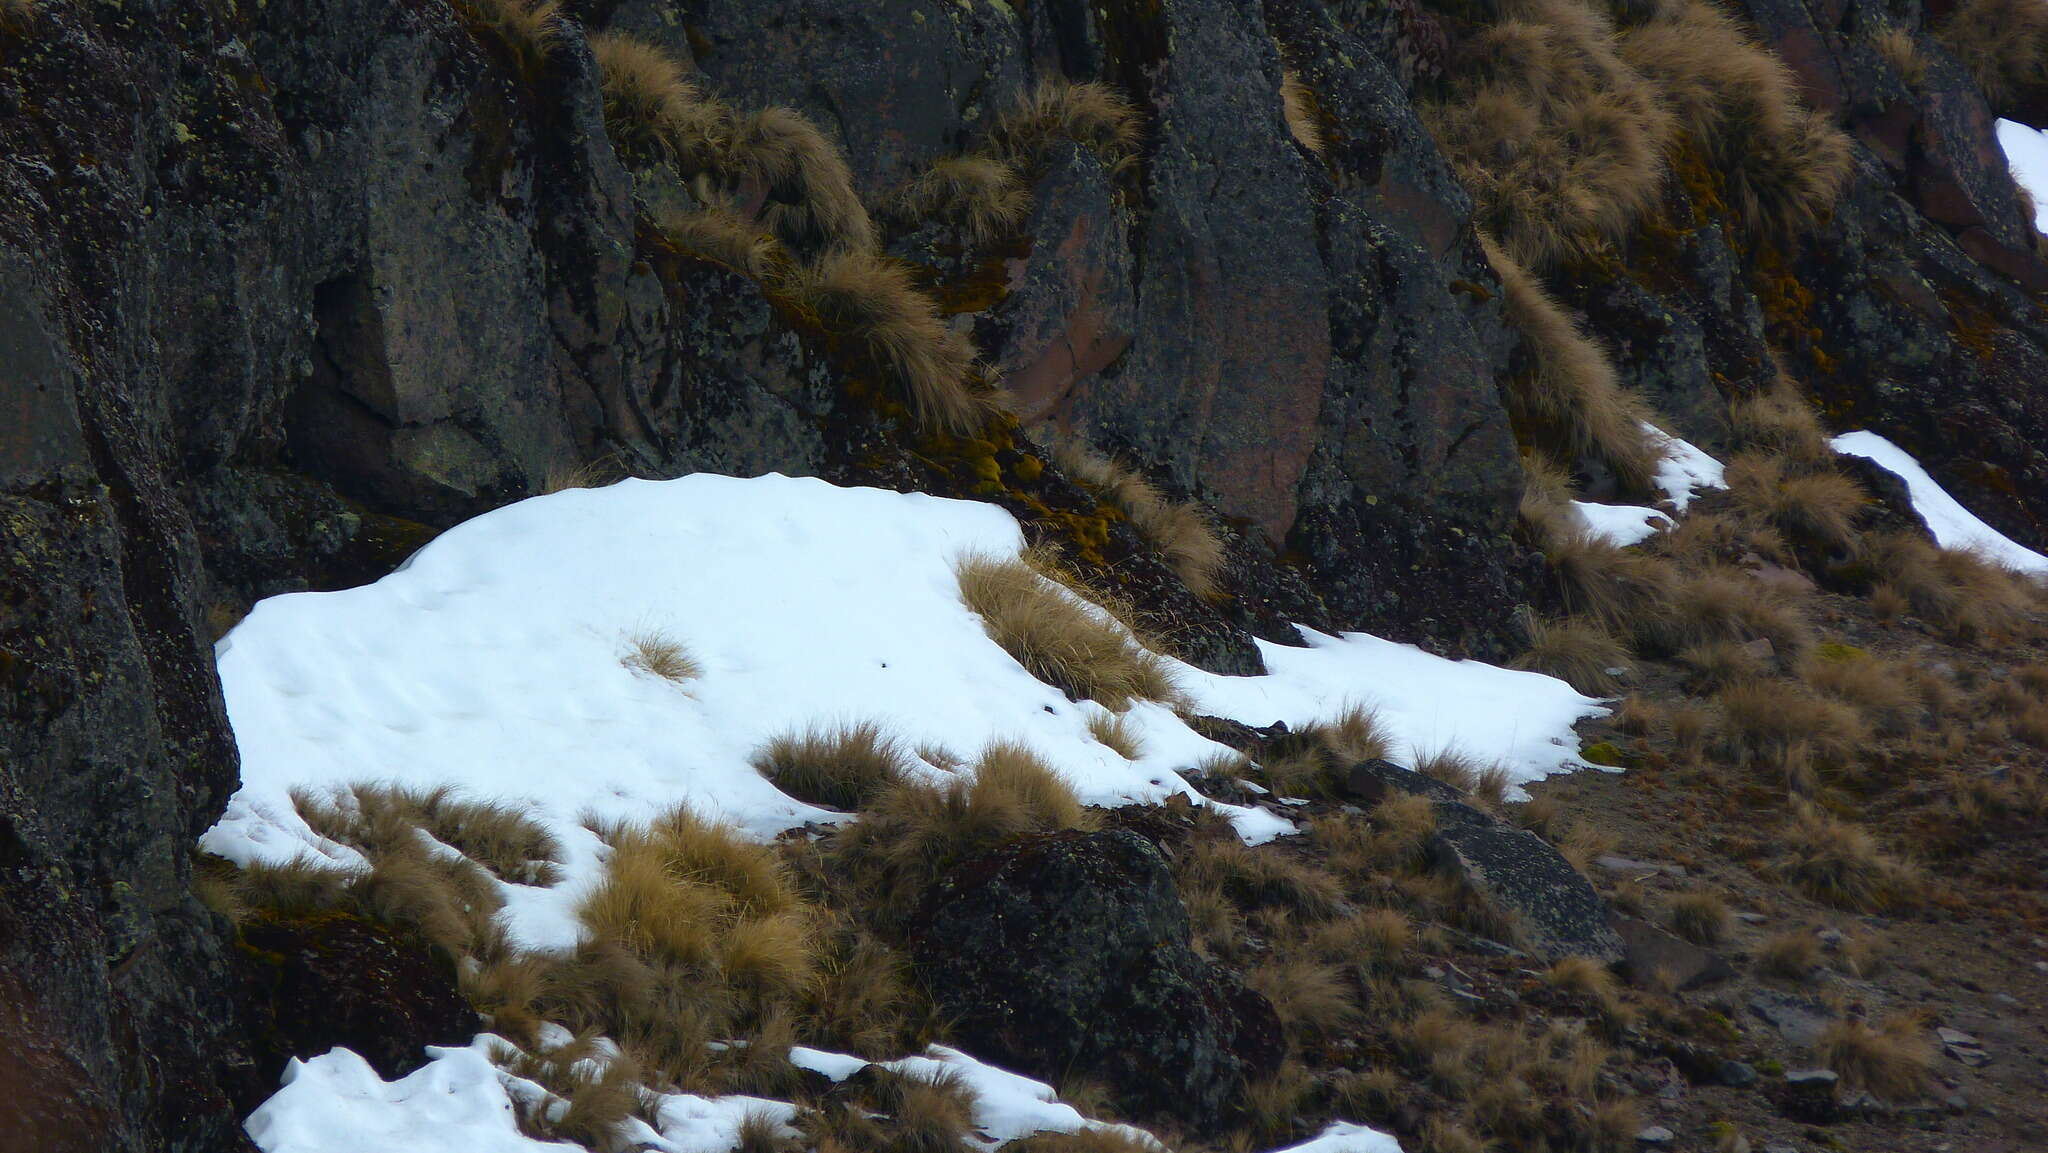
493	662
336	1103
1953	525
1345	1137
2026	153
1620	525
1685	470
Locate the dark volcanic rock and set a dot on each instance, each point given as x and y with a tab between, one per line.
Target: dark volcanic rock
341	981
1558	911
1070	954
1655	958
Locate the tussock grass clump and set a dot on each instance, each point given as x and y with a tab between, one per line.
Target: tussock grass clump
1624	591
1312	998
1794	955
530	28
981	195
1560	141
872	298
1063	641
593	1092
1093	115
1965	596
839	769
1262	878
1814	510
1881	689
1116	732
1315	761
379	819
1840	863
2004	44
1298	109
1784	165
1568	400
1721	603
652	110
1763	720
660	656
1779	421
1902	52
799	179
912	832
724	236
1701	918
1580	653
1891	1061
1181	530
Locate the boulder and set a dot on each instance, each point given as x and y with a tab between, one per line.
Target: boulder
1069	954
338	980
1654	958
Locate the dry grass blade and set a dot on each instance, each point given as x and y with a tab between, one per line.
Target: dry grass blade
980	195
840	769
659	656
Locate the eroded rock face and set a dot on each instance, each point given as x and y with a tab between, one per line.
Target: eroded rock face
1070	954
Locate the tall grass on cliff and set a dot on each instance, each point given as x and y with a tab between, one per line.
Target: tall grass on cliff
872	298
652	110
1783	164
982	196
2004	44
1560	141
1180	530
1567	399
530	28
1091	114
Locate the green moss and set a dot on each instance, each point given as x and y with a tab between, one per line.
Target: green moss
1602	753
1835	652
1771	1067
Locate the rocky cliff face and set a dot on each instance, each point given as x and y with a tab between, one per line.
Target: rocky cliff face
286	286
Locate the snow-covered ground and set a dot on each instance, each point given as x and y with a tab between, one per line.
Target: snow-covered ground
1685	470
459	1102
1953	525
2026	153
493	661
1620	525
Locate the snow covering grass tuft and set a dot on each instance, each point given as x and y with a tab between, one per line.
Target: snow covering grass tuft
490	663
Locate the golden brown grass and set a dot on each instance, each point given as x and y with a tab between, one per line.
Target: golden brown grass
1580	653
1962	595
652	111
1624	591
530	28
1093	115
722	235
1560	141
1117	733
14	13
873	298
1262	878
596	1094
2004	44
1891	1061
801	182
982	196
1880	689
1700	917
1793	955
1568	399
1070	645
378	819
1181	531
1312	998
1814	510
839	769
1722	603
1902	52
1779	421
912	831
1316	760
1841	864
1783	164
1298	109
659	656
1763	719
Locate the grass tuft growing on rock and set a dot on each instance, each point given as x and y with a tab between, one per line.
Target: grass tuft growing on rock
982	196
652	110
1091	114
2004	44
1181	531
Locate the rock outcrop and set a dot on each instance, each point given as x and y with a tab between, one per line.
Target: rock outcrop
1071	954
286	287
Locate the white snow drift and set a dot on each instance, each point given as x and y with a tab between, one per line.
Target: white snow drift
493	662
1953	525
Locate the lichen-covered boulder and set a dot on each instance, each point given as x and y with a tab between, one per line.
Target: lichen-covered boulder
1070	954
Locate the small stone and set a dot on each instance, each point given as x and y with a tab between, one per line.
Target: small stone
1954	1036
1736	1074
1761	648
2005	999
1957	1103
1656	1135
1811	1078
1862	1101
1752	918
1969	1055
1830	938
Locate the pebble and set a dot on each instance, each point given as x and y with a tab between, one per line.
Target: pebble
1656	1135
1954	1036
1752	918
1811	1078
